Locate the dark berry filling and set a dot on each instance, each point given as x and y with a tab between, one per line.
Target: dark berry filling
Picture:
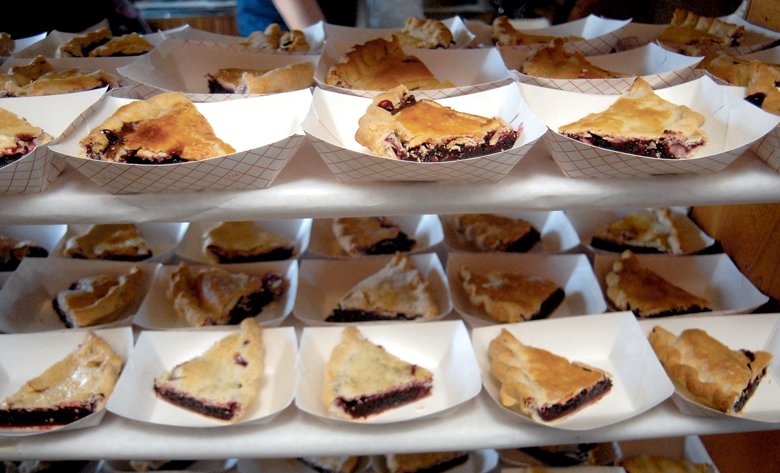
429	153
367	405
524	243
751	387
585	396
43	417
389	246
225	412
664	147
550	304
227	256
252	304
357	315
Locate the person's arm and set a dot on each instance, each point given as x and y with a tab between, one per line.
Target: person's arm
299	14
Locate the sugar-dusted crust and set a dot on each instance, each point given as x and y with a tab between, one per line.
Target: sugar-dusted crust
424	462
381	64
71	388
80	46
630	286
97	299
762	86
110	241
12	251
555	62
363	379
511	297
18	137
488	232
398	126
716	376
658	464
166	128
690	29
504	34
540	384
641	122
274	38
425	34
245	242
131	44
370	236
645	231
224	381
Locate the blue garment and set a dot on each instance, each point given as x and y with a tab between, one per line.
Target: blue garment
256	15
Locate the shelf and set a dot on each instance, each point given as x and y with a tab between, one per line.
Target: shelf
306	188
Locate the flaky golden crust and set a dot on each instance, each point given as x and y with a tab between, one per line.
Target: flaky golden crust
554	62
690	29
763	83
488	232
98	299
283	79
425	34
131	44
726	66
18	136
504	34
75	46
645	230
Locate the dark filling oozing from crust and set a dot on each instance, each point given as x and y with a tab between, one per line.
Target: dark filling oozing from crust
549	305
366	405
25	144
585	396
8	159
115	140
10	261
524	243
676	311
570	457
45	417
756	99
389	246
664	148
215	87
747	393
226	256
115	256
358	315
607	245
60	312
252	304
225	412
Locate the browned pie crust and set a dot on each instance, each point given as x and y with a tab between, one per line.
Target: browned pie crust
762	87
555	62
18	137
645	231
425	34
7	44
253	81
102	43
658	464
690	29
488	232
245	242
276	39
111	241
504	34
12	251
371	236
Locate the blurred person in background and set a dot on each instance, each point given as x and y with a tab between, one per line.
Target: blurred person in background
256	15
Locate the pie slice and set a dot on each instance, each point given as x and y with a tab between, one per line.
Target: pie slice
131	44
274	38
555	62
251	81
163	129
245	242
690	29
640	122
74	387
715	375
658	464
424	462
97	299
80	46
21	76
371	236
13	250
227	80
644	231
113	241
726	66
630	286
381	64
18	137
61	82
504	34
223	382
425	34
207	295
398	126
397	292
488	232
762	88
363	379
542	385
510	297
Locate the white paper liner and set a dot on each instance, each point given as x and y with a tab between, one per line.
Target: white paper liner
161	238
26	299
22	43
48	46
22	359
265	144
158	352
556	233
176	66
46	236
747	331
572	273
315	36
157	311
35	171
211	466
714	277
587	222
613	342
441	347
600	35
482	69
289	465
732	125
426	230
192	248
479	461
461	36
333	120
324	282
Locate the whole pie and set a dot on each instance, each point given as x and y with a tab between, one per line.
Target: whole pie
555	62
690	29
13	250
111	241
364	379
504	34
97	299
488	232
511	297
163	129
206	295
631	286
250	81
398	126
245	242
424	462
658	464
276	39
382	64
640	122
371	236
224	381
18	137
645	231
103	43
425	34
68	390
715	375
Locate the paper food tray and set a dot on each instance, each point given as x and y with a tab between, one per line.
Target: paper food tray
48	46
572	273
600	35
333	120
158	352
289	465
265	143
426	230
157	311
556	233
461	36
479	461
46	236
176	66
658	67
315	36
588	222
192	248
441	347
613	342
22	359
486	70
324	282
732	125
35	171
26	299
22	43
714	277
747	331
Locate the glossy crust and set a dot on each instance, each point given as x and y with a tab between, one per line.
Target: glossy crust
424	462
630	286
111	241
425	34
533	380
690	29
97	299
641	122
370	236
715	375
18	137
509	297
397	126
381	64
227	80
488	232
657	464
162	129
361	372
245	242
224	381
644	231
554	62
504	34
